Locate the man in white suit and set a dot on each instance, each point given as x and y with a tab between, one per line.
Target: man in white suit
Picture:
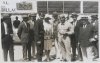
65	29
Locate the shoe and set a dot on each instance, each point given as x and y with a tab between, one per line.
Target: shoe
65	60
95	57
29	59
73	59
80	59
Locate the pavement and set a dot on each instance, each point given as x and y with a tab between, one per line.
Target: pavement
18	56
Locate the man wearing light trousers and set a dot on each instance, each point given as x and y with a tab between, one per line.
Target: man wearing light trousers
65	29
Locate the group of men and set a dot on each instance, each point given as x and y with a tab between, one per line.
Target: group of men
68	35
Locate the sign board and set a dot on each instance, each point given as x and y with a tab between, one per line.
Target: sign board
24	6
18	6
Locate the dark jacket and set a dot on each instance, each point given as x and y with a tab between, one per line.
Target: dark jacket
6	39
85	34
39	30
16	23
23	32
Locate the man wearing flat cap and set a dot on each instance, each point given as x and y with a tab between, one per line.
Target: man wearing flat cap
65	29
7	41
94	22
23	34
31	21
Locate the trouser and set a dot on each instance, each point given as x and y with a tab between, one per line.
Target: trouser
11	53
79	52
26	47
96	48
57	48
87	53
40	48
65	46
33	49
31	40
74	46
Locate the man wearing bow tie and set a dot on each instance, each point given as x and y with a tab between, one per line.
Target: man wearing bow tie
65	29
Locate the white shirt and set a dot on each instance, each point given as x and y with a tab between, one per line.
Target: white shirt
25	23
5	26
31	24
66	28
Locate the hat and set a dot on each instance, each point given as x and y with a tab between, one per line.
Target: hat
5	18
47	16
41	14
74	15
62	15
94	16
32	15
84	18
55	14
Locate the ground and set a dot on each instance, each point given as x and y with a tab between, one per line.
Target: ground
18	56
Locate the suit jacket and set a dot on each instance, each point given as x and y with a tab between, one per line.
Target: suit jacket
6	39
39	30
16	23
23	32
85	34
74	37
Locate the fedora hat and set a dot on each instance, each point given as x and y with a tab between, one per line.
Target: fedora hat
74	15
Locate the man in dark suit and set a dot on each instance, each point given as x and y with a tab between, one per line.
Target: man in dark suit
7	41
85	38
23	33
16	22
74	38
39	37
31	21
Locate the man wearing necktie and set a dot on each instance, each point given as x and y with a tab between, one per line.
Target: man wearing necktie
23	34
7	41
85	37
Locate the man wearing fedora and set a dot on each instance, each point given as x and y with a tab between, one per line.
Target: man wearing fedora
7	41
23	34
39	36
85	38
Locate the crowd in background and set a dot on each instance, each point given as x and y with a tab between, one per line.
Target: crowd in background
73	38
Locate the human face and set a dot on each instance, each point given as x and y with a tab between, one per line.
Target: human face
62	19
84	22
74	18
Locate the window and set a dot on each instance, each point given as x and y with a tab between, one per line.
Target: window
72	6
42	6
90	7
